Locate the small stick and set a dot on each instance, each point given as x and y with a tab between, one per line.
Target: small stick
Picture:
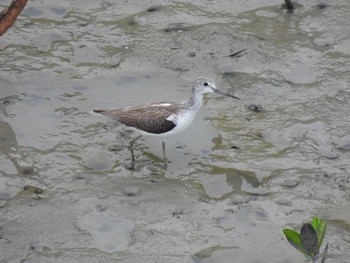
8	15
289	5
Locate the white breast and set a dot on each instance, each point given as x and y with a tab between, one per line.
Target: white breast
182	122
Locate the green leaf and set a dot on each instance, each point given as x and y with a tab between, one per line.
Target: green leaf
293	238
320	227
315	222
321	232
309	240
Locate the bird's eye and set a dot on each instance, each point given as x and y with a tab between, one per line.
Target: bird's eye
205	83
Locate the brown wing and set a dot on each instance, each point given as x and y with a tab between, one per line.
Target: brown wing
150	118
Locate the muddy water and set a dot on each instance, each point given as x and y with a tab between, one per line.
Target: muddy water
236	177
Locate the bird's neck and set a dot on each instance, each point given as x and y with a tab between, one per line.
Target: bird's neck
196	99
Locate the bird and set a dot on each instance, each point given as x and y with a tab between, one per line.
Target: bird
163	119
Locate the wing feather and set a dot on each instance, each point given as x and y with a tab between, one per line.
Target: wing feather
154	118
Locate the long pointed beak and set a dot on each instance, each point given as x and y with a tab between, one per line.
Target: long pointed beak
225	94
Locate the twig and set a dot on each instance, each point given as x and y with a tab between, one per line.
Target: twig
289	5
9	15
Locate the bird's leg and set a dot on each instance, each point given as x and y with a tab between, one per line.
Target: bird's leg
165	159
131	148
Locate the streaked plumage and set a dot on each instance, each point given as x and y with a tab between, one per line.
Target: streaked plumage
150	119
